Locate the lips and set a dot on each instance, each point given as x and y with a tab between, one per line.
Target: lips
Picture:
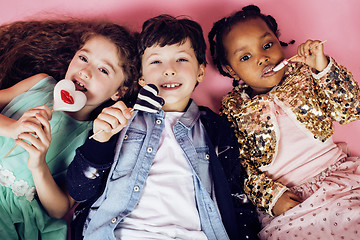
268	71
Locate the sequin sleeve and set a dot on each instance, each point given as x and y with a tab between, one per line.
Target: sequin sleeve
262	190
338	93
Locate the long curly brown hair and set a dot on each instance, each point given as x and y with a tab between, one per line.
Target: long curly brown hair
31	47
47	46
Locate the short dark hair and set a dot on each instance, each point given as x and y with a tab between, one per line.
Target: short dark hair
168	30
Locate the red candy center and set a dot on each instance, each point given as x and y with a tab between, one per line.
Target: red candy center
66	97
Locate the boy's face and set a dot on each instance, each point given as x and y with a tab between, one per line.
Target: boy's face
252	50
175	70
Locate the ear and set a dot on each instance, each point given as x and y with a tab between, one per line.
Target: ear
119	93
201	73
232	72
142	82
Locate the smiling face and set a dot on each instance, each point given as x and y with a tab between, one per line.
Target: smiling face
175	71
253	50
96	70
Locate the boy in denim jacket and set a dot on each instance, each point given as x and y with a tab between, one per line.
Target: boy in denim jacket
162	175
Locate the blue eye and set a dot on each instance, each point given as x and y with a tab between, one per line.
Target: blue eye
245	58
268	45
104	71
82	58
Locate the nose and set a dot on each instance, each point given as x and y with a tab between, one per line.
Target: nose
84	73
169	71
263	60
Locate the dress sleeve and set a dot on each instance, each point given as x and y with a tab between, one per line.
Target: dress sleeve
261	190
87	173
338	93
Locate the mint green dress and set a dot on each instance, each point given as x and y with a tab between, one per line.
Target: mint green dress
21	214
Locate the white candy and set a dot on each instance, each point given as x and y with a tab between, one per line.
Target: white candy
66	98
280	65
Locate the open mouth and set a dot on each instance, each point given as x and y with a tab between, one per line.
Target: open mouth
171	85
79	86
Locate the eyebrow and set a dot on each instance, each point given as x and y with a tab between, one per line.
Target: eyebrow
105	61
261	37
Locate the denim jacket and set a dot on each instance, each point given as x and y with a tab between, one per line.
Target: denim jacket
120	182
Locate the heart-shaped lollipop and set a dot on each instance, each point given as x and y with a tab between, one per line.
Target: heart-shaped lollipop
66	98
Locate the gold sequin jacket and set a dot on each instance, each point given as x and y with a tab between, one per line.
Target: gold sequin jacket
314	100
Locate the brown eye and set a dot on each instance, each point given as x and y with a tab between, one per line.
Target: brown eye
268	45
245	58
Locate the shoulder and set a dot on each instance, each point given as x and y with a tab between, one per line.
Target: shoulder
8	94
212	121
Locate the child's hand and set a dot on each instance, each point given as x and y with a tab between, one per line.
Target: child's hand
22	125
111	121
37	137
312	54
287	201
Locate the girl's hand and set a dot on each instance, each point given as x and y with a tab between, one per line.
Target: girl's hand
22	125
111	121
37	137
312	54
287	201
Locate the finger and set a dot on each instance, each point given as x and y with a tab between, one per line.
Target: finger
307	47
101	125
298	58
300	51
124	109
114	116
26	145
45	125
41	138
45	111
295	197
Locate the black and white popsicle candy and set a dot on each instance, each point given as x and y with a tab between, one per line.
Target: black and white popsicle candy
148	99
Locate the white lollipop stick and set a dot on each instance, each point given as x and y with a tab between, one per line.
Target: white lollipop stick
66	98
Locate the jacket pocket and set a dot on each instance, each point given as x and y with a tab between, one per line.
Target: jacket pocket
130	150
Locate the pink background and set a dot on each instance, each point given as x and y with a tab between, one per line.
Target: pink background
334	20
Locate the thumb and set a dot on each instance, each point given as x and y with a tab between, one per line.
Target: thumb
297	58
295	197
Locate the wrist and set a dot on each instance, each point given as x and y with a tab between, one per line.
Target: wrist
39	169
322	64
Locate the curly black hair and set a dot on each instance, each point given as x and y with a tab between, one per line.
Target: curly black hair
223	27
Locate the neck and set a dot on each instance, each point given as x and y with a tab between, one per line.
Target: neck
82	115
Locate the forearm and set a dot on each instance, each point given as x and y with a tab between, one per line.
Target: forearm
5	129
56	202
88	171
340	92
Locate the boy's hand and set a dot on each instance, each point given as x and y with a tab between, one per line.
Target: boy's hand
36	139
312	54
111	121
287	201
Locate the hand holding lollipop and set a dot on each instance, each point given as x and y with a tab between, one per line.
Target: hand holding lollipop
66	98
285	62
147	101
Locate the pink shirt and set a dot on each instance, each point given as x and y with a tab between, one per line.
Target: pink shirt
299	156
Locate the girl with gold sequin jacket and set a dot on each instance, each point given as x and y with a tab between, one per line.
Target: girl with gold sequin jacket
284	123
